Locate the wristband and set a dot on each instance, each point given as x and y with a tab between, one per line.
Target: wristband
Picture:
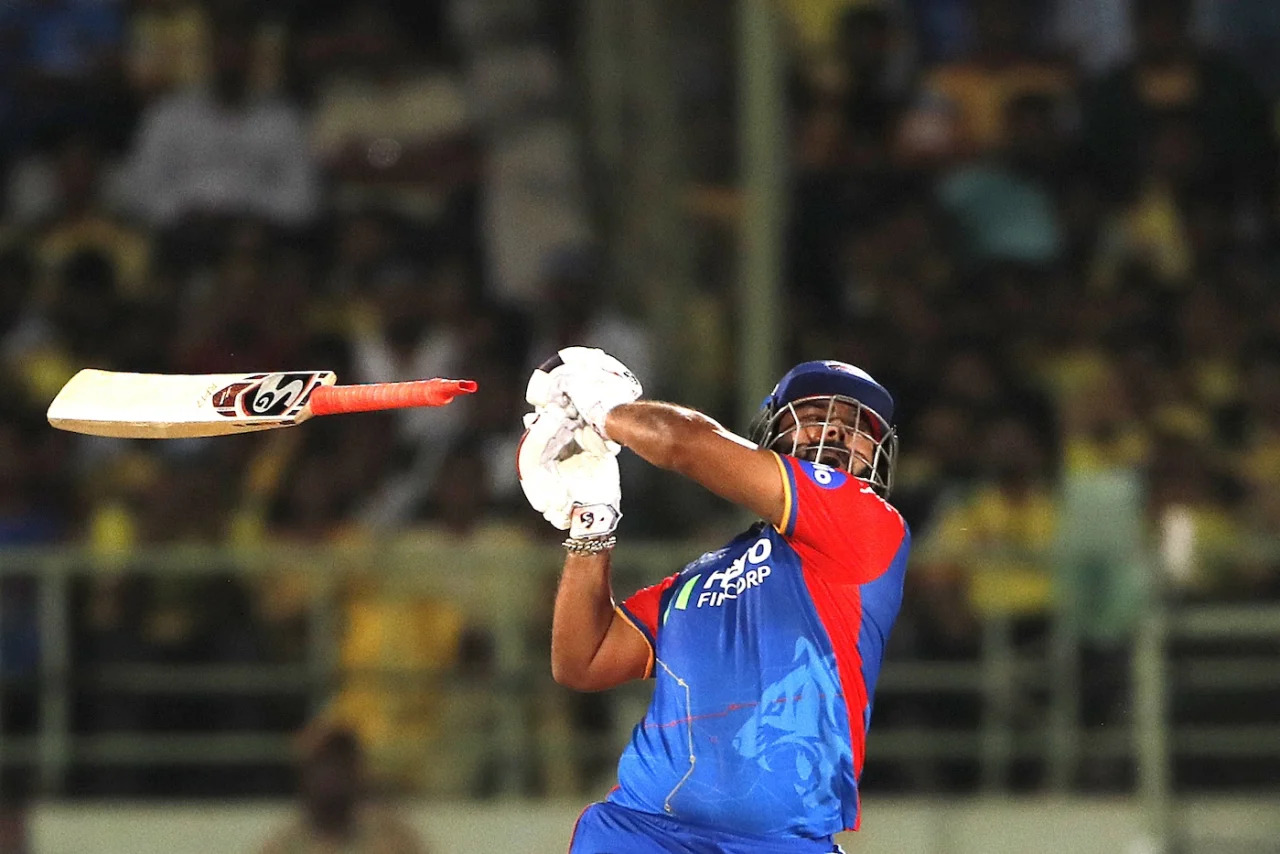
589	545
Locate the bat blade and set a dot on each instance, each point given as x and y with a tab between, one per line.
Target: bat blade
175	406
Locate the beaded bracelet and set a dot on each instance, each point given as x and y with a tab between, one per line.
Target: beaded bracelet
589	545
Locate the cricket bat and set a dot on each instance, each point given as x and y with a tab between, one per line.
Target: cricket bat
182	406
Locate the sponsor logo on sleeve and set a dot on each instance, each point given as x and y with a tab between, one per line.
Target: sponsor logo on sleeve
823	475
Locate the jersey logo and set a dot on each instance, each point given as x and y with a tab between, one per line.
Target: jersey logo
681	600
823	475
796	734
723	585
749	570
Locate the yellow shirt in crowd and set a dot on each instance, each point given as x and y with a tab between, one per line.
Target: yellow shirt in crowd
1001	545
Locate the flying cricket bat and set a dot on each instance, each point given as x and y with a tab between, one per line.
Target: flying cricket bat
181	406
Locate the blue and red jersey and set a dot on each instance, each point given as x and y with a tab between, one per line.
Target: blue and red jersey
765	656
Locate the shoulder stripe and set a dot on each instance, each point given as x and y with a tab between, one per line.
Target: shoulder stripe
788	526
639	627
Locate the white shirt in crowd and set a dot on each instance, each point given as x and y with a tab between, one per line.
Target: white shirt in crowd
194	155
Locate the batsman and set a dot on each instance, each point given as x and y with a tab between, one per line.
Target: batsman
765	652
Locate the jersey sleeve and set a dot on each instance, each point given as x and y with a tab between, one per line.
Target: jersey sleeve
642	610
852	532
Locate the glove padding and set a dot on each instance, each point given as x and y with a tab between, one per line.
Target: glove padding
573	489
586	382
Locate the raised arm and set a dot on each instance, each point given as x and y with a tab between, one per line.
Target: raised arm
690	443
593	647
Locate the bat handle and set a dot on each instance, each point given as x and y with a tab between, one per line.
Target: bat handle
334	400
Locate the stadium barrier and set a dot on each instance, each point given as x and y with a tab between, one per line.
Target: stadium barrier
506	592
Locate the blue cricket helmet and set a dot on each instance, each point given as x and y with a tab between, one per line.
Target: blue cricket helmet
832	382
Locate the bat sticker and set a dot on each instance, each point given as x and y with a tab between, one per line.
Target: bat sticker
224	399
274	395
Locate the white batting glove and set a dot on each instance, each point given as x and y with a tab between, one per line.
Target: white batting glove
589	382
546	435
595	493
572	488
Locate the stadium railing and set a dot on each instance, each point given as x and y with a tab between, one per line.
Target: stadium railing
1027	699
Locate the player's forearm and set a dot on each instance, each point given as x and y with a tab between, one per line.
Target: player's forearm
583	613
692	444
660	433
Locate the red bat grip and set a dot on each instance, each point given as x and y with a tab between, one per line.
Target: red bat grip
336	399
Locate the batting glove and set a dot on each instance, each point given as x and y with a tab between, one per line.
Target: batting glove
587	382
573	489
595	494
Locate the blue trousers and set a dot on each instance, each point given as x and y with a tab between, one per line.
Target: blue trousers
606	828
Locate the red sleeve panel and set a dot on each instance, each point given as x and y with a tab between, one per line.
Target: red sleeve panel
853	549
643	610
830	513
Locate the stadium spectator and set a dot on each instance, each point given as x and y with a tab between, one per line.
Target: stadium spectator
1171	72
64	61
23	328
1106	452
336	808
1095	34
1249	30
223	150
230	317
1192	514
79	220
962	108
1150	231
396	644
859	80
533	201
14	826
870	46
1004	207
88	308
389	129
169	46
996	538
944	29
423	323
568	313
1258	454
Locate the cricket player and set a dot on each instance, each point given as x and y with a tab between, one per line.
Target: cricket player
765	651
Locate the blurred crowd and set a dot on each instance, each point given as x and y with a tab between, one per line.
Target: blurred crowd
1059	250
1049	226
387	190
